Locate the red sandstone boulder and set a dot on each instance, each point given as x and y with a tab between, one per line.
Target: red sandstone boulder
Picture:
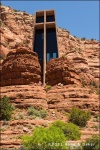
20	67
60	70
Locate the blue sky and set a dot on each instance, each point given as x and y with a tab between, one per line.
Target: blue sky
81	18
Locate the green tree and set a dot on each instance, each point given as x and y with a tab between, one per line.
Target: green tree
45	139
6	108
79	117
83	39
70	130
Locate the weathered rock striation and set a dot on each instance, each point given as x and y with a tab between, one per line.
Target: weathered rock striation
20	67
63	98
61	70
82	52
16	29
23	96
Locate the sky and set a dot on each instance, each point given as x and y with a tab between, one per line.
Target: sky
80	18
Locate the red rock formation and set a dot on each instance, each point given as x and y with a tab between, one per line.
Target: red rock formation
71	74
19	31
65	97
23	96
16	29
61	70
20	67
83	53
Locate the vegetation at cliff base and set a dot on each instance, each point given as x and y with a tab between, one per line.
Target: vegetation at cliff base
52	137
45	139
70	130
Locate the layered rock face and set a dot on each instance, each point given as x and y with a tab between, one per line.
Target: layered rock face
20	67
78	62
65	97
61	70
16	29
23	96
82	52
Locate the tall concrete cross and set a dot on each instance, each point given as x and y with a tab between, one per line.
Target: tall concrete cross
45	38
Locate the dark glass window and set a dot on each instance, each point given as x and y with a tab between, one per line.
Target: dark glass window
48	56
39	19
51	46
54	55
39	43
50	18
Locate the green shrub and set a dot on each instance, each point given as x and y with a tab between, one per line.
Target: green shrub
83	39
7	44
83	82
64	55
59	124
91	143
37	113
25	41
93	83
75	36
92	39
6	108
43	113
70	130
48	87
2	57
33	111
45	139
97	118
1	23
97	91
79	117
15	10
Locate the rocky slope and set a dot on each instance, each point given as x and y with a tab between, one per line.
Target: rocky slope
73	77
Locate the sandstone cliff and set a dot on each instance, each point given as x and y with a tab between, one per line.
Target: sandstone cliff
17	30
73	77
